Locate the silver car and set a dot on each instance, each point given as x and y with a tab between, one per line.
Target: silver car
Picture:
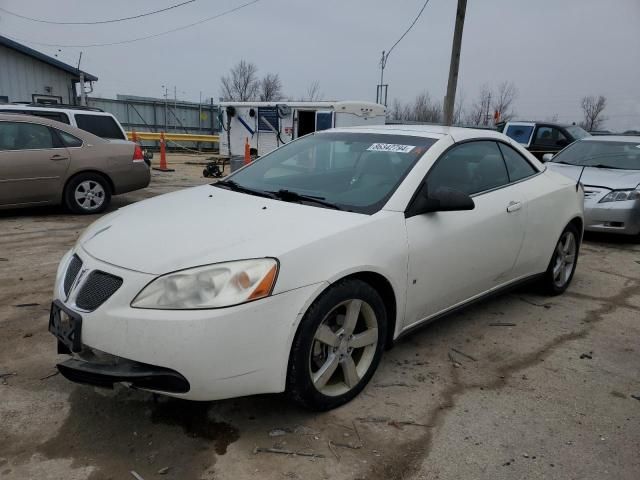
609	169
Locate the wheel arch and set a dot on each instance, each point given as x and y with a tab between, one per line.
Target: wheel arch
108	179
578	222
383	286
378	282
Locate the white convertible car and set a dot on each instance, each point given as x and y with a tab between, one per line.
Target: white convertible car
294	273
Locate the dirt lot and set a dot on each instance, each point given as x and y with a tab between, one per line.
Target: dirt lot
556	395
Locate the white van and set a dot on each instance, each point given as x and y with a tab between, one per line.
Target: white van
92	120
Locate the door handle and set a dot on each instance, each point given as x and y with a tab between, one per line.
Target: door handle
514	206
58	157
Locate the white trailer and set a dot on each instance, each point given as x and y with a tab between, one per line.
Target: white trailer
267	125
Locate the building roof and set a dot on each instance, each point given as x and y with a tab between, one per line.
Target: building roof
7	42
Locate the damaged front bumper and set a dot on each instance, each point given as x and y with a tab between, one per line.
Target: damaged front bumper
134	374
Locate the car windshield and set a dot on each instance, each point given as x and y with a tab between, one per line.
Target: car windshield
577	132
622	155
351	171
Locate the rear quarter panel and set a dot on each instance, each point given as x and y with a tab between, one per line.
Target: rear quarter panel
113	159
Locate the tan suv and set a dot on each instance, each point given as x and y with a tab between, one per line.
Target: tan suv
44	162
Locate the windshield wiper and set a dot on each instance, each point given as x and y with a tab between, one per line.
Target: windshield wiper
236	187
289	196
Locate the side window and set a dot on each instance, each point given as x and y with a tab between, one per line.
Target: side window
517	166
69	140
550	137
25	136
520	133
101	125
470	168
57	116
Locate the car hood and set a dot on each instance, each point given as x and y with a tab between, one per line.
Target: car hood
600	177
204	225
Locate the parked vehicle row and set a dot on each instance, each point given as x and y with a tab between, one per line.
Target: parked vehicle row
322	253
46	162
542	138
609	169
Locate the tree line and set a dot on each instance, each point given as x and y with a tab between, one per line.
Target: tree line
243	84
493	103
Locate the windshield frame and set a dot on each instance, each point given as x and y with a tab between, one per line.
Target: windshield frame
596	161
423	142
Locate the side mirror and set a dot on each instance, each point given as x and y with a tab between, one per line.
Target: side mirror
547	157
441	200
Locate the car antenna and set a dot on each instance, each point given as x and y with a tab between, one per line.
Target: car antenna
580	177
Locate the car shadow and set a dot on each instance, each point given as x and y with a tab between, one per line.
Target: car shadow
611	238
59	210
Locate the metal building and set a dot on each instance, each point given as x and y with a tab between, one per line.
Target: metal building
27	75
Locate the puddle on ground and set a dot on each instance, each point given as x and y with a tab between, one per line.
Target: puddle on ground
133	431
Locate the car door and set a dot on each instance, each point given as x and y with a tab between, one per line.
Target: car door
456	256
548	139
33	163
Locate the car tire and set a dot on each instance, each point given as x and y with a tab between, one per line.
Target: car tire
563	262
333	357
87	193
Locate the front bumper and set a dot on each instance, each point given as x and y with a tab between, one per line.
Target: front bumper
613	217
220	353
136	374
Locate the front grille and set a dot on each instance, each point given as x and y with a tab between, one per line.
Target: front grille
72	272
97	290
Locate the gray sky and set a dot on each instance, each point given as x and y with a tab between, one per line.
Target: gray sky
555	51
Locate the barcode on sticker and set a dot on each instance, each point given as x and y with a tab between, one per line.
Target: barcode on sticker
390	147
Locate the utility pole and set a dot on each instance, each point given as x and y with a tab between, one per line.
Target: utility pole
486	117
381	90
450	98
175	106
83	93
166	107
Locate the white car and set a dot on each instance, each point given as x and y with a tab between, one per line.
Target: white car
294	273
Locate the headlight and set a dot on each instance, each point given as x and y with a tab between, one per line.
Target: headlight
621	196
211	286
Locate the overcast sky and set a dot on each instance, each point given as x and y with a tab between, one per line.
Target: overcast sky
555	51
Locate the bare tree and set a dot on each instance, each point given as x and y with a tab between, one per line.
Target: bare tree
395	111
313	92
399	110
241	84
270	88
490	101
424	109
503	98
480	108
592	109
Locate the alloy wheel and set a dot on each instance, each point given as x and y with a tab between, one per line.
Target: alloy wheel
343	347
89	195
565	259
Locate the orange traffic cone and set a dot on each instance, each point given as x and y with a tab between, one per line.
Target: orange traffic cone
247	152
163	156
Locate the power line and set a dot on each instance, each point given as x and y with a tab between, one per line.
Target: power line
208	19
415	20
39	20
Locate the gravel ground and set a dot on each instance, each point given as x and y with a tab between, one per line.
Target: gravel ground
556	395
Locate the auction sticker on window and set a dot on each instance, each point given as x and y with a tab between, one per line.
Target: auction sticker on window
390	147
